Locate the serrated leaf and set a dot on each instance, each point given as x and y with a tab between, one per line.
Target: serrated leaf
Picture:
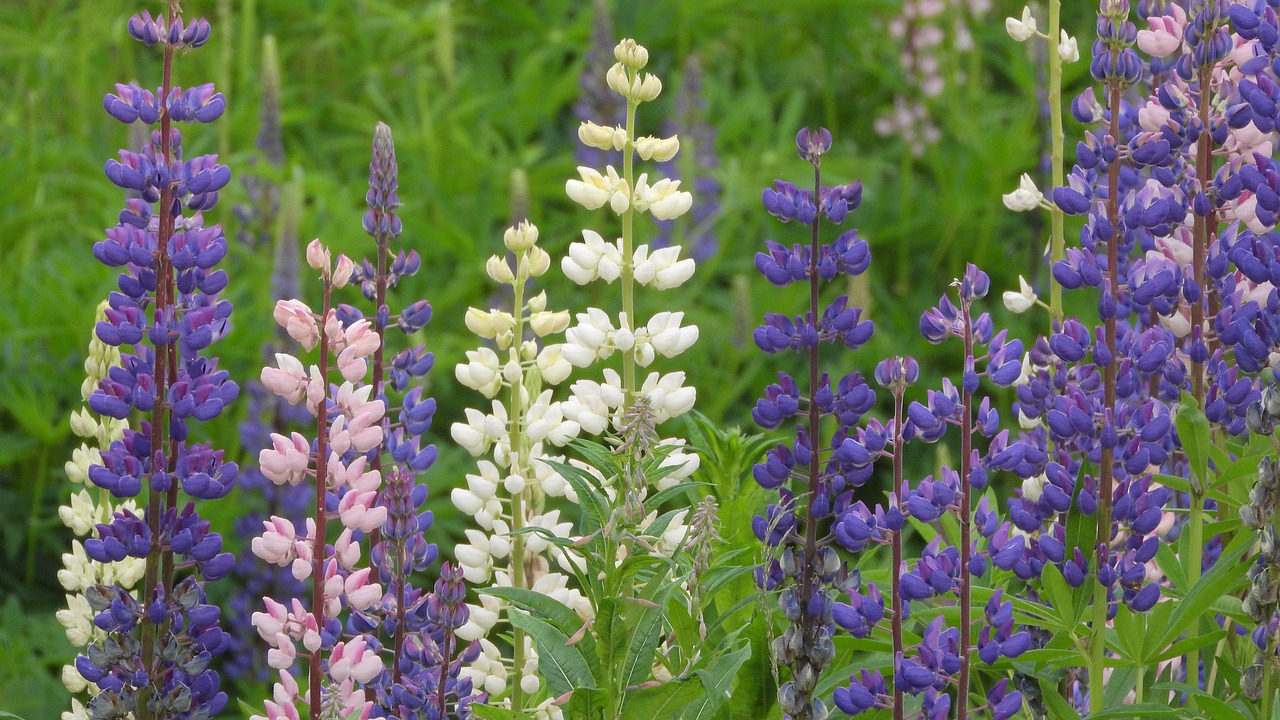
561	664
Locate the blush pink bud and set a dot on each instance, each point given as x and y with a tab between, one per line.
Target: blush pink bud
318	256
297	320
352	366
361	337
360	592
342	272
270	623
346	551
359	512
287	459
352	660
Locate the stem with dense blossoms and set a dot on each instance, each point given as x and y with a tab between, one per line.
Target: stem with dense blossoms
1199	249
628	250
896	598
1098	630
322	481
966	512
164	298
519	459
807	631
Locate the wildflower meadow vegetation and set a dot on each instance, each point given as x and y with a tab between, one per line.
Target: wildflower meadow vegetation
901	359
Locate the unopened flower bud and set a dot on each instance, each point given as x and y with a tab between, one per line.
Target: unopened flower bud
342	271
648	89
318	256
632	54
521	237
1022	29
499	270
658	149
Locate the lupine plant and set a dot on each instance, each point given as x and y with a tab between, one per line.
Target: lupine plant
507	496
807	570
153	659
419	628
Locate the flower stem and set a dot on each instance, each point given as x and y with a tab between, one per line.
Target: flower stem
164	298
515	433
1199	249
966	491
322	481
808	630
1057	242
896	599
1106	469
628	243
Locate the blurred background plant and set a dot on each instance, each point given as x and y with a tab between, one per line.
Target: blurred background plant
477	90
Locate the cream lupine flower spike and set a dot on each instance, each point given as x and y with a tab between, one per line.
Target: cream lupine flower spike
596	406
84	510
506	494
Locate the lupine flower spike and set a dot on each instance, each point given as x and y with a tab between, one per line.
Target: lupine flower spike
153	659
419	627
806	570
348	424
507	494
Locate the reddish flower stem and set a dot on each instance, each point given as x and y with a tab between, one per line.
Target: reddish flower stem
896	582
966	491
322	481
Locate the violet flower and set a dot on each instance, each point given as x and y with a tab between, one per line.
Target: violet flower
154	659
804	569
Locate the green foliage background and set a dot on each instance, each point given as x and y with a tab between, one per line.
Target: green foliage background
474	89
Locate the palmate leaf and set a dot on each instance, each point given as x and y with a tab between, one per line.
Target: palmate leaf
717	679
1193	431
558	615
661	702
1221	580
489	712
562	665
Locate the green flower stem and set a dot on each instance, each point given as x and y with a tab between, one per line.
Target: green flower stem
628	241
514	433
1057	250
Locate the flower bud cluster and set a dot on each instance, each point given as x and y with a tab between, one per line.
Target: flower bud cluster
151	651
1262	601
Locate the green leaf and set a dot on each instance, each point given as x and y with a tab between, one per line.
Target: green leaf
4	714
717	678
1058	593
1223	579
644	642
549	610
612	633
561	664
1059	708
583	484
489	712
662	701
1193	431
1139	710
